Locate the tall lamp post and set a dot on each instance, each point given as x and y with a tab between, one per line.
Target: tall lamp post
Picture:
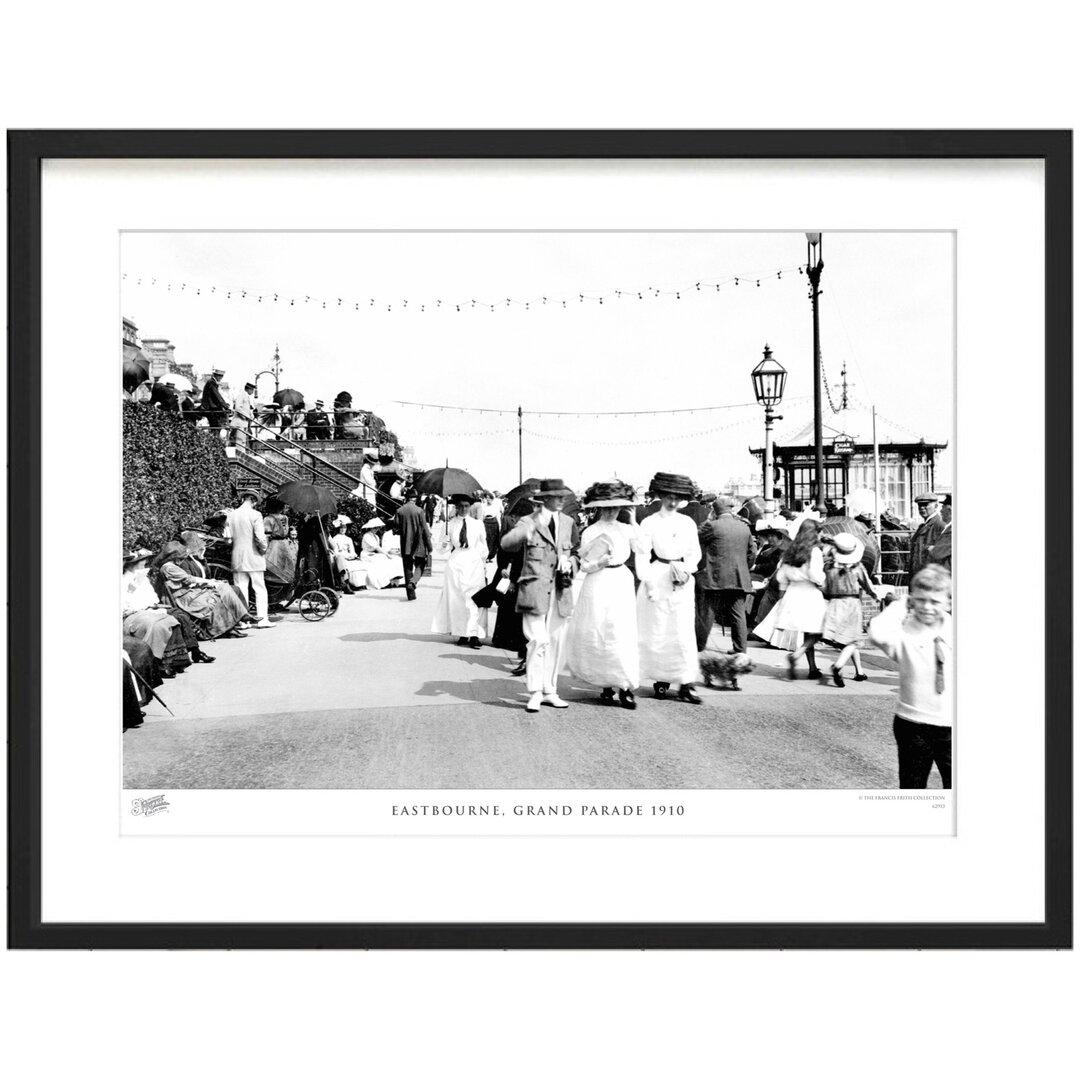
814	265
769	378
275	371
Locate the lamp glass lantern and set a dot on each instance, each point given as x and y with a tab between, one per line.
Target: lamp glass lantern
769	378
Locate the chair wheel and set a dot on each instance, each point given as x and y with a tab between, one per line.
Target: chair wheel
332	596
314	606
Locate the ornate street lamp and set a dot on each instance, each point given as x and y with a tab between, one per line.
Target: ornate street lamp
769	378
275	371
814	265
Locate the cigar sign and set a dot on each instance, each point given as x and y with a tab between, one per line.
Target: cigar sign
843	446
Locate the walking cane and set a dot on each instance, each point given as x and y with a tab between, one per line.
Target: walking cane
151	690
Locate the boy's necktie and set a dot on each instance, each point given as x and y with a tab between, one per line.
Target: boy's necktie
939	665
464	539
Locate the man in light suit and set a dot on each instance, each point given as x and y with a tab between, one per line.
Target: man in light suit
550	539
727	549
412	527
244	526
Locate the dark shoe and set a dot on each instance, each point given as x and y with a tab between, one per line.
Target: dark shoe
474	643
607	696
686	693
167	673
410	595
791	666
837	678
660	689
199	657
235	634
626	699
814	673
462	641
520	669
861	678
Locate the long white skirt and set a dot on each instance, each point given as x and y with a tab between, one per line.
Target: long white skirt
381	569
667	644
456	614
602	640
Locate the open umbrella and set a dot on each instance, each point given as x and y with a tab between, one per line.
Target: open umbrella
307	498
286	398
520	494
180	382
446	482
136	370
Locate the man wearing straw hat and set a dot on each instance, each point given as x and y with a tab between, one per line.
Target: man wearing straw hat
213	404
550	539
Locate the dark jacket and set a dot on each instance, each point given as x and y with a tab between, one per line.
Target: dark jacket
412	528
926	536
214	407
727	549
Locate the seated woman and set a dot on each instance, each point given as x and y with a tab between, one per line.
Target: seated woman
382	569
145	617
346	561
214	605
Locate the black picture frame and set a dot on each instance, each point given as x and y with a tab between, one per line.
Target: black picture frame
26	152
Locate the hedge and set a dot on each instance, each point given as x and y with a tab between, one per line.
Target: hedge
175	474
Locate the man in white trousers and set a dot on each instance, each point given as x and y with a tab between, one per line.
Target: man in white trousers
244	526
544	596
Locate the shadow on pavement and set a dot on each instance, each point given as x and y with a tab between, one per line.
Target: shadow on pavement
372	636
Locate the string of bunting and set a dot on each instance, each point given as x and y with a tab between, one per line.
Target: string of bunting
373	304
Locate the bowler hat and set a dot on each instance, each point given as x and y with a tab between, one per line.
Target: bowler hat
551	489
672	484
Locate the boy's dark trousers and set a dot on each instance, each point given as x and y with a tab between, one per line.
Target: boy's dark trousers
918	747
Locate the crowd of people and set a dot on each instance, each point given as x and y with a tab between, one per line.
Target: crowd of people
234	414
621	595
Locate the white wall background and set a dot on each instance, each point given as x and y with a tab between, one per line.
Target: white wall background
558	65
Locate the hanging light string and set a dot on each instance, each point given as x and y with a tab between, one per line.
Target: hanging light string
377	304
641	442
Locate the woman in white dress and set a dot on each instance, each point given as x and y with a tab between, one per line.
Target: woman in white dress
795	623
665	601
456	614
381	569
602	639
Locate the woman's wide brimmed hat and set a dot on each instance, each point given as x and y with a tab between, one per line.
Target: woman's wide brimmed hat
848	549
341	519
550	489
672	484
608	493
373	523
137	555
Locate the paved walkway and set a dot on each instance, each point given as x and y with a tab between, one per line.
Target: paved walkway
369	698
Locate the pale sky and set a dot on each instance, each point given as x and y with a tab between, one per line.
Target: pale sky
886	308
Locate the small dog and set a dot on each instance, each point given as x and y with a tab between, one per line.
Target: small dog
725	668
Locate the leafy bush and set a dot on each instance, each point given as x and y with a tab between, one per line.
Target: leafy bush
175	474
360	511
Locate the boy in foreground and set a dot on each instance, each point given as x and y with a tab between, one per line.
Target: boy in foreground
919	637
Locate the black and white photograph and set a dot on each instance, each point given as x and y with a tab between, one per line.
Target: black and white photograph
453	511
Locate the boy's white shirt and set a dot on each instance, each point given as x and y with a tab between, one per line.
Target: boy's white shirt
911	644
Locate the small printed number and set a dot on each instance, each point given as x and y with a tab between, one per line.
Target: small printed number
669	811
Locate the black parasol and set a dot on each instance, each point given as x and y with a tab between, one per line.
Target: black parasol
447	482
286	398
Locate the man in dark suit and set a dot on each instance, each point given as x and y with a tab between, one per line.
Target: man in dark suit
412	528
927	534
723	579
318	422
213	405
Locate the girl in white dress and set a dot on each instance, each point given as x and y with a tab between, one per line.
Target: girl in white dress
665	600
602	639
795	623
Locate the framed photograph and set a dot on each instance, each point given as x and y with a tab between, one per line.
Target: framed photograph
540	539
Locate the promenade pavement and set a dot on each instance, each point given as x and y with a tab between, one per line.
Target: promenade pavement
370	698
